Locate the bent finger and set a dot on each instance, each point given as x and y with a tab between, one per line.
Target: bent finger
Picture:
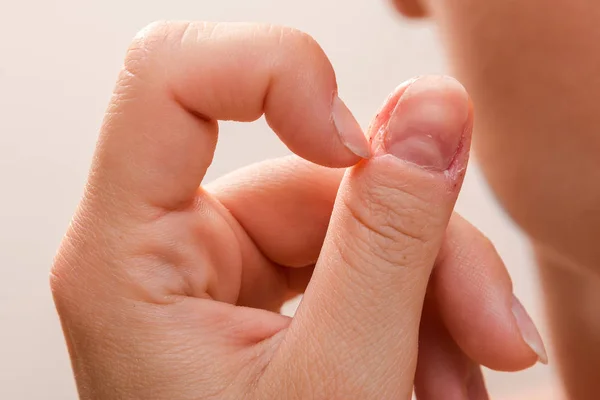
179	79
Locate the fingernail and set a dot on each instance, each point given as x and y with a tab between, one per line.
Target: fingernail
529	332
428	122
349	130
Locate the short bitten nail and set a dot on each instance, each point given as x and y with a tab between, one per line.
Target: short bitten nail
349	130
529	332
428	123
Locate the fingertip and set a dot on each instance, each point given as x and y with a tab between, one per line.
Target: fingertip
426	122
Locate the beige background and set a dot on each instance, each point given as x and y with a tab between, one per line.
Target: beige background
59	59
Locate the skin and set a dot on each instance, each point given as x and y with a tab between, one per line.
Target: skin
532	72
168	289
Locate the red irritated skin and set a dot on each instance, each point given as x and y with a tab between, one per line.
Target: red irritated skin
431	117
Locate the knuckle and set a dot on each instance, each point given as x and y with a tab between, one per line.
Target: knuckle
391	224
92	244
64	280
299	37
151	42
56	279
298	42
465	241
70	273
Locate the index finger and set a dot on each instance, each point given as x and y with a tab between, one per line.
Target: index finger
160	132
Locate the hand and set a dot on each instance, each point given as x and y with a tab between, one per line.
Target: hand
167	291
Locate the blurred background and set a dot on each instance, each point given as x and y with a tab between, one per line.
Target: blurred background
58	62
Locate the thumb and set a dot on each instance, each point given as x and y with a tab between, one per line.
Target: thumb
355	333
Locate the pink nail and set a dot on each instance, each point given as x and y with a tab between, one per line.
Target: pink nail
428	122
349	130
529	332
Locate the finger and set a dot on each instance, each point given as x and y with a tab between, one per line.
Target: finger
284	205
483	317
364	301
443	370
159	135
